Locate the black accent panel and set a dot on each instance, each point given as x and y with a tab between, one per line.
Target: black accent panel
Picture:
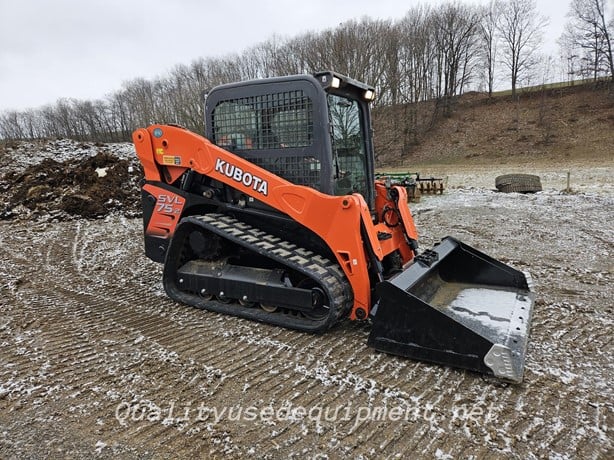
249	284
156	247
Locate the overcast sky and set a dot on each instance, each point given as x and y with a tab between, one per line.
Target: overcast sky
85	49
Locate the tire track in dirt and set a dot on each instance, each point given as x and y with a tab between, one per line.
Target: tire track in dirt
96	301
139	320
76	349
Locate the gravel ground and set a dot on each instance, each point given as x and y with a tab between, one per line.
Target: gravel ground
96	362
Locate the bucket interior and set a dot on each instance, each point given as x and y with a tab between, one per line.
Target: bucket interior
458	307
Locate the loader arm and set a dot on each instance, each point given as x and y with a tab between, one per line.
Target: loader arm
344	223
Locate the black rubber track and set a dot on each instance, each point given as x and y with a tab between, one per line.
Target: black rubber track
326	274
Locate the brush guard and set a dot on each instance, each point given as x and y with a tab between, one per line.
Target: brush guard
459	307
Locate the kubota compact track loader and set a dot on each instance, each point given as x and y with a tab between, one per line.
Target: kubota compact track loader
276	216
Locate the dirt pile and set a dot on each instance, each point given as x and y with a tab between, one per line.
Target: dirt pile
90	187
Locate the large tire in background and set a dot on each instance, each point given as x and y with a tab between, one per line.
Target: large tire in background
521	183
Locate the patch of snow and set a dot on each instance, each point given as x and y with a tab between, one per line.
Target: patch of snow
99	446
102	172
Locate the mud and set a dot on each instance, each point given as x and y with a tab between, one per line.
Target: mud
96	361
89	185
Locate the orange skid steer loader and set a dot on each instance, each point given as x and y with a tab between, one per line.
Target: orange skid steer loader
276	216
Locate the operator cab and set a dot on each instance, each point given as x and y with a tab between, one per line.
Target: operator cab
312	130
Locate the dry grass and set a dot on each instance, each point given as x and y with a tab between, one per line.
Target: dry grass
562	125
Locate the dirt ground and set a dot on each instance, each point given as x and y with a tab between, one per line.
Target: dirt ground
96	361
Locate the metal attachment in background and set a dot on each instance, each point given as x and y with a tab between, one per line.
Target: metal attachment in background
414	184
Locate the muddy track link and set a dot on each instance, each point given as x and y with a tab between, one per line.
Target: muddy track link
326	274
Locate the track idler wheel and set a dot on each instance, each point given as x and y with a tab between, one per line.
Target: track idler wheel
320	301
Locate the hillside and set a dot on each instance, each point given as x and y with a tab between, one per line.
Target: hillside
565	125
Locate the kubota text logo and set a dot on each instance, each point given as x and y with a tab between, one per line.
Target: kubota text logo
244	177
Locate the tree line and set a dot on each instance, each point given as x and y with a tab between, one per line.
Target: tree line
420	62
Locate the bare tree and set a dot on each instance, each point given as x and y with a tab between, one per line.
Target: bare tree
345	50
488	31
10	125
520	30
418	64
587	35
456	32
391	79
416	68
